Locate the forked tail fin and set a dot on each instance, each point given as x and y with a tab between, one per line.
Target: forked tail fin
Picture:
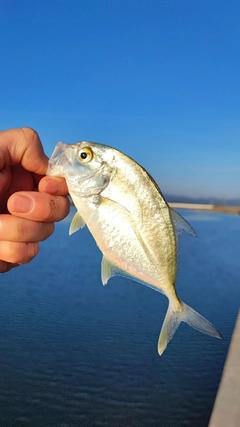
186	314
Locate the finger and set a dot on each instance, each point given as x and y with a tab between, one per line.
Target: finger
38	206
17	252
21	180
22	146
7	266
15	229
53	185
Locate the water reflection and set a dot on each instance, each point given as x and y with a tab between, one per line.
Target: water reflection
75	353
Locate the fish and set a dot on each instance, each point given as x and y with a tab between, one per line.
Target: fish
133	225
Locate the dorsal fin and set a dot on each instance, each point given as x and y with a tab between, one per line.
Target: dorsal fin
181	224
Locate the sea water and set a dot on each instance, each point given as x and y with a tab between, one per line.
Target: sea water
75	353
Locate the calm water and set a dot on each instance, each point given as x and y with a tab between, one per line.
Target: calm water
75	353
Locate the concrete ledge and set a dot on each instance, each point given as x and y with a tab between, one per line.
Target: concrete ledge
206	207
226	410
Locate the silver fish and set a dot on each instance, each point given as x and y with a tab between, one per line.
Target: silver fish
130	220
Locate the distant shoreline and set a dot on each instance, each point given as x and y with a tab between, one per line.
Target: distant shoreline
206	207
209	207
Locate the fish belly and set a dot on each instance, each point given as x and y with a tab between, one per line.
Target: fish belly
120	241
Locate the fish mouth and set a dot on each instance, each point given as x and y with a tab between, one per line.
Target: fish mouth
58	160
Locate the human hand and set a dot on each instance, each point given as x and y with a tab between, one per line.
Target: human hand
30	203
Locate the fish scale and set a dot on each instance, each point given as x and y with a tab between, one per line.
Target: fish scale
147	203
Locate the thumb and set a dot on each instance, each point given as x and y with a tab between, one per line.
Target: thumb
22	146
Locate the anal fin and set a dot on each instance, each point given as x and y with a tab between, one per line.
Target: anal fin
108	270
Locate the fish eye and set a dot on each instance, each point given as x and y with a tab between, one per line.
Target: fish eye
85	155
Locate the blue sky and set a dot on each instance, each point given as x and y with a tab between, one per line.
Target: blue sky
157	79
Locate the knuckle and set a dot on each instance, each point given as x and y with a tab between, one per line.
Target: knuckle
64	208
5	266
32	250
17	252
29	133
52	208
58	208
50	229
18	229
47	230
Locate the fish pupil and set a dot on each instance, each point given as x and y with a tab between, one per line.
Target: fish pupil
83	155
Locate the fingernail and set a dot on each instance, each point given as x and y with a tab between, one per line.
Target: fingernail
21	204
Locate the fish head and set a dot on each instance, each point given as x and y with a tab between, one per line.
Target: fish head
86	166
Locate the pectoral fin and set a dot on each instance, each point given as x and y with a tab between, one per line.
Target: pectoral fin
76	224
